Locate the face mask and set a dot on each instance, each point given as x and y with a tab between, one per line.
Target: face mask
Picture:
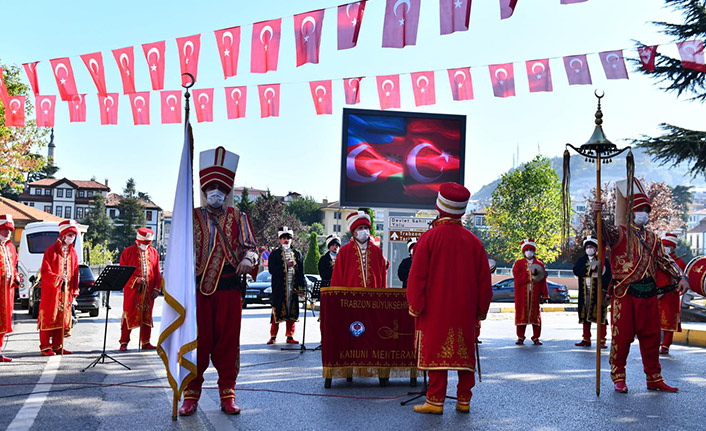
590	251
333	254
4	238
641	218
529	254
668	250
215	198
69	239
142	247
362	235
286	246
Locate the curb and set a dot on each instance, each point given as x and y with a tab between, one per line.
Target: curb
549	309
691	337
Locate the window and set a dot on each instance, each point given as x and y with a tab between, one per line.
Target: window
580	208
81	193
38	243
148	215
59	193
89	193
112	213
47	209
69	193
31	204
479	220
47	192
58	210
88	211
67	212
337	216
37	191
79	213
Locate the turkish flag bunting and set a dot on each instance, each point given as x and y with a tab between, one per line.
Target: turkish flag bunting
572	1
171	106
203	102
351	88
31	71
507	8
461	84
228	42
3	87
154	54
307	36
64	75
269	100
349	18
235	101
455	15
265	46
539	75
502	76
401	21
77	108
94	64
189	48
613	64
140	103
108	108
424	88
647	57
692	55
577	70
45	110
389	91
15	111
321	93
125	57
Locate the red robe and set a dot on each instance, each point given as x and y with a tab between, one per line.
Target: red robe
528	293
351	271
670	305
448	289
8	281
53	303
147	265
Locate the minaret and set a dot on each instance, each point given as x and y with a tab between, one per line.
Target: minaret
50	155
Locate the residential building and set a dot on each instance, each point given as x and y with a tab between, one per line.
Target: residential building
696	238
165	229
478	219
695	217
333	217
68	199
23	215
153	214
253	194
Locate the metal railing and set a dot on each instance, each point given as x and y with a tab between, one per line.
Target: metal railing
693	306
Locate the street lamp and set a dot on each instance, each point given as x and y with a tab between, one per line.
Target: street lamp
598	150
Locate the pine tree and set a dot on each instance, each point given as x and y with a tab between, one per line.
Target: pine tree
131	216
245	204
311	261
99	224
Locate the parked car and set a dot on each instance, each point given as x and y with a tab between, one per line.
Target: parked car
259	291
504	291
87	300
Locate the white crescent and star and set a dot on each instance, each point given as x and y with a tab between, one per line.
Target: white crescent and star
56	72
80	101
92	62
392	86
412	164
105	102
267	91
426	82
313	28
227	46
539	75
142	99
400	2
188	44
463	75
153	50
350	166
614	63
12	103
577	69
170	97
126	64
266	29
497	73
316	91
41	105
203	104
236	91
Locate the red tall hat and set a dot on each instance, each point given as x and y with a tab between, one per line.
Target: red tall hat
670	239
67	226
218	166
6	221
640	199
145	235
356	219
452	200
528	243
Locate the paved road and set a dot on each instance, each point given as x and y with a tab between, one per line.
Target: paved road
548	387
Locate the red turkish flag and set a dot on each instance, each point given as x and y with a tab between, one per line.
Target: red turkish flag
94	64
424	88
269	100
572	1
307	36
502	76
322	94
3	87
45	106
401	22
507	8
389	91
171	106
31	71
351	88
350	16
692	55
228	42
539	75
64	75
140	104
77	108
265	46
647	57
577	70
125	57
154	54
235	101
189	48
203	102
613	64
461	84
108	108
15	111
455	15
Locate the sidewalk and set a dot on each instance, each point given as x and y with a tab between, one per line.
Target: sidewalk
692	334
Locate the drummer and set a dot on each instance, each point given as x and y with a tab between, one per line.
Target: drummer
530	289
669	304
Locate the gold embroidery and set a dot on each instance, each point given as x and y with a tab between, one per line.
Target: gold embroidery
462	350
447	350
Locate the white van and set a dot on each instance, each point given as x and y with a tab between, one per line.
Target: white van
36	239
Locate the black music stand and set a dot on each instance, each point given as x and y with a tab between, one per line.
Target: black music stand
307	298
113	278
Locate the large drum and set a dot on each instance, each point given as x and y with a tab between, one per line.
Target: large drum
696	271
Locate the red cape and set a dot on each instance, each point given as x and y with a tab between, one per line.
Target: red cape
528	293
8	280
52	269
348	270
131	293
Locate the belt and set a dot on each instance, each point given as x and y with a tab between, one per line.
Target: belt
644	288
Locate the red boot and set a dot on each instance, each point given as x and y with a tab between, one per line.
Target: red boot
123	347
291	340
62	352
664	350
148	346
48	352
188	407
5	359
271	340
536	342
229	407
621	387
661	386
583	343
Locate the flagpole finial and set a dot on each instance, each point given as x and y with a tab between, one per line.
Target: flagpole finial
190	84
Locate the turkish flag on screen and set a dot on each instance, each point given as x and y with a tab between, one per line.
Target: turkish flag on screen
577	70
171	106
108	108
64	75
269	100
125	57
31	71
539	75
424	88
389	91
502	76
507	8
351	89
647	57
189	48
94	64
461	84
349	18
15	111
77	108
321	94
455	15
203	102
692	55
154	54
265	46
401	21
572	1
140	104
613	64
235	101
228	42
307	36
45	106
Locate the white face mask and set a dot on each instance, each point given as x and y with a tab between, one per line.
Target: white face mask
333	254
286	246
4	238
215	198
362	235
590	251
529	254
142	247
641	218
69	239
669	250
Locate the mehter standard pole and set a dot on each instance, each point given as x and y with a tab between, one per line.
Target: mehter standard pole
599	293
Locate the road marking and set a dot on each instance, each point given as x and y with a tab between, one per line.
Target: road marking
213	413
28	413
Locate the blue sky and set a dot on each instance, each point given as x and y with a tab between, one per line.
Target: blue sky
300	151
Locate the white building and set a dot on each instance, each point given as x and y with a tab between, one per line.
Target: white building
153	214
68	199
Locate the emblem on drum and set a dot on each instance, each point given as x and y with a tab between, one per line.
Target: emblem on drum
357	328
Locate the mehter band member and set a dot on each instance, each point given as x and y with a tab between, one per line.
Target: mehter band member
360	262
333	244
670	303
530	290
9	279
586	269
406	264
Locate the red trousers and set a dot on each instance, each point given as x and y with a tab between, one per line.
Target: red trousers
274	328
587	332
536	332
667	338
630	317
50	339
218	320
145	333
438	379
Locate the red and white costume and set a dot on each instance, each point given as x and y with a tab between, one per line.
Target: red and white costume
670	303
359	265
528	294
8	280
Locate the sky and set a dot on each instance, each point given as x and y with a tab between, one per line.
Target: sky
300	151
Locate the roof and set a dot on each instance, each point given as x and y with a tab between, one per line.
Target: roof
700	228
24	214
237	191
114	199
81	184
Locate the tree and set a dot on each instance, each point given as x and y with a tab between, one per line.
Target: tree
131	216
99	224
267	217
311	261
100	253
306	209
682	197
526	204
244	203
318	228
371	214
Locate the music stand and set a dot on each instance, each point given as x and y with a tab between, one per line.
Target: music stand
302	347
113	278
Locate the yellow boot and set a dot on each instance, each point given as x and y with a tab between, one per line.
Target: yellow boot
429	408
463	407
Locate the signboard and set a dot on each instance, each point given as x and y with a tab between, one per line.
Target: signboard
404	235
409	222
